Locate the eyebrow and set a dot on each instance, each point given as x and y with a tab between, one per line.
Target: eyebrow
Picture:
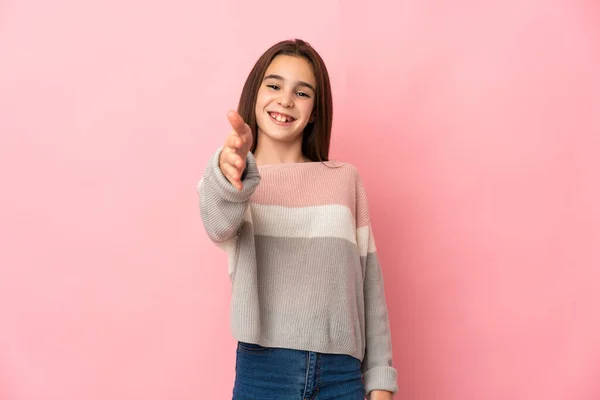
279	77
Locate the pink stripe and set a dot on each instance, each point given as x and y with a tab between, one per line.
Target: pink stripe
313	184
362	206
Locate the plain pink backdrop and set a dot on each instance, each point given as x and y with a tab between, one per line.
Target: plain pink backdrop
475	125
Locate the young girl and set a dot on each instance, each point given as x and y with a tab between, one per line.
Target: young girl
308	306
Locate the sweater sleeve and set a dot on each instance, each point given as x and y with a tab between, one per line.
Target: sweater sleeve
222	206
378	372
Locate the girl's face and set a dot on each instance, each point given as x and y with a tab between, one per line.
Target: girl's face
286	99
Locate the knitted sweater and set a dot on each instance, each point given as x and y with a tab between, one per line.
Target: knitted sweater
302	261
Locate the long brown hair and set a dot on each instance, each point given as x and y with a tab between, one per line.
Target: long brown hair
317	134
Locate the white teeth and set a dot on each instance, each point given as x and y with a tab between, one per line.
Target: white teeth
281	118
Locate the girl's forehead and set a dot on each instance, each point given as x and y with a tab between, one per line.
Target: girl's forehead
292	68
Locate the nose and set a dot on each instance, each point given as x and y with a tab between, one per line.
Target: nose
286	100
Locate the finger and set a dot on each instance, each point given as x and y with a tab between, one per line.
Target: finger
232	173
234	141
238	124
238	146
235	160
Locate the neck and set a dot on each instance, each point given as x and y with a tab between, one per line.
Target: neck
275	152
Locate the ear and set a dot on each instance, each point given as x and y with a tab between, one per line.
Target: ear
313	118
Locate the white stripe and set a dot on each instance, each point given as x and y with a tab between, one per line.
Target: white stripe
303	222
230	249
365	240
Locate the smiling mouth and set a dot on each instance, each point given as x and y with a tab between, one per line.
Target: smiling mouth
282	118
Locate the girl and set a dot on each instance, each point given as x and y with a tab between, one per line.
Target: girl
308	306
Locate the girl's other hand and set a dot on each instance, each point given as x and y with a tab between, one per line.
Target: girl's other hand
237	145
381	395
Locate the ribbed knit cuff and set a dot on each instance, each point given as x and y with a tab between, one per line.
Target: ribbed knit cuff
380	378
251	179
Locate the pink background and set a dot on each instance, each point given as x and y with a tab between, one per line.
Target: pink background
476	126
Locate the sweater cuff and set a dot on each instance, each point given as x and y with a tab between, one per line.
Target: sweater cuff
250	179
380	378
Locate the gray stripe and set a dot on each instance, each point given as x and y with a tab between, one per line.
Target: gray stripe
301	292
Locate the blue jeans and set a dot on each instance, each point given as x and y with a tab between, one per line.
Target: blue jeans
265	373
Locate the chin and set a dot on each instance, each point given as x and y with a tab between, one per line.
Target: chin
282	137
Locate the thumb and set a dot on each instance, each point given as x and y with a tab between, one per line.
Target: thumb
237	123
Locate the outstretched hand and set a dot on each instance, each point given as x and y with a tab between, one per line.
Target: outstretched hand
235	150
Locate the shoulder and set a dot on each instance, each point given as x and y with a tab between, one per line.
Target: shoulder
341	166
347	169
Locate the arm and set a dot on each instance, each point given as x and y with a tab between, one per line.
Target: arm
228	183
380	376
377	364
222	206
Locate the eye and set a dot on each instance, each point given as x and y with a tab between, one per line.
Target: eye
273	86
303	94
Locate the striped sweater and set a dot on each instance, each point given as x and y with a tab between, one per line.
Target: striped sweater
302	261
